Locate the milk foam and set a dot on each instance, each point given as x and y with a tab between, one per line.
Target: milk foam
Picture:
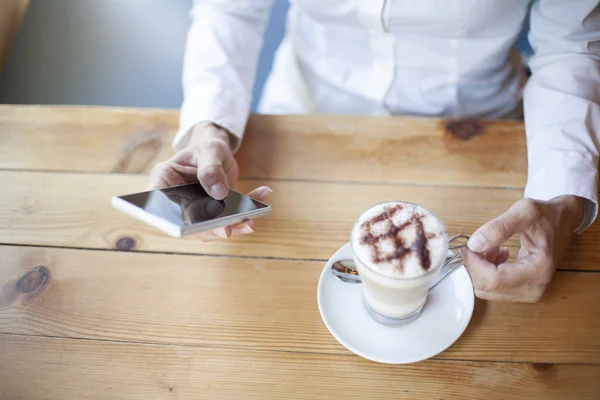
382	254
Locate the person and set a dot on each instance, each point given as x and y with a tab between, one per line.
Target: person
431	58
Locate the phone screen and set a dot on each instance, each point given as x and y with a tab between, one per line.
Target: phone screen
190	204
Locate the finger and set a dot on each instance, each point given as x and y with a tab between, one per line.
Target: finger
497	231
497	255
186	172
261	193
522	253
183	163
211	173
223	233
525	271
506	276
243	228
493	296
214	181
483	273
207	236
530	293
528	244
231	169
519	297
502	256
184	157
177	170
156	182
215	234
491	254
164	175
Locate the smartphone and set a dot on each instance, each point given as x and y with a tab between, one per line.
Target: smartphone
186	209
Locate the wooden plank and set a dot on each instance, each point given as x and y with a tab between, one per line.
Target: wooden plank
43	368
309	221
84	138
330	148
257	304
387	150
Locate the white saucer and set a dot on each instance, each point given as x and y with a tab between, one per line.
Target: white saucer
446	315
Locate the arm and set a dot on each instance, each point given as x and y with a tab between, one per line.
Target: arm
220	61
561	101
562	116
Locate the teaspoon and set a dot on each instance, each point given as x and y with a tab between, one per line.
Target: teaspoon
345	270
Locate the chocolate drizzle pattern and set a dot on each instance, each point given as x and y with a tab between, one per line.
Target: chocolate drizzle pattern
401	249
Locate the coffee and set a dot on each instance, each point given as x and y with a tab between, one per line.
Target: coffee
398	249
400	240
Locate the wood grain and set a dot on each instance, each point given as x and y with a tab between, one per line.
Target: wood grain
257	304
385	150
244	323
84	138
310	220
74	369
323	148
66	369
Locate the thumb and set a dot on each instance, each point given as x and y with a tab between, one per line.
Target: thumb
497	231
213	159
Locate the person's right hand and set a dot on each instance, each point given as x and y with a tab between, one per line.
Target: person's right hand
207	159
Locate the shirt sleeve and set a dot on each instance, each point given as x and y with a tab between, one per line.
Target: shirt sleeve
561	102
221	55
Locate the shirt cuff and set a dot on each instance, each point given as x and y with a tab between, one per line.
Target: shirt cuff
214	104
567	173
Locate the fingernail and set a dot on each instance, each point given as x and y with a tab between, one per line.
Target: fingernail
264	191
477	243
246	230
222	233
218	191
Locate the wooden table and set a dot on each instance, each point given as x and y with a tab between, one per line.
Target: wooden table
96	306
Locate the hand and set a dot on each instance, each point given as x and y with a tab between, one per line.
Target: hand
207	159
545	228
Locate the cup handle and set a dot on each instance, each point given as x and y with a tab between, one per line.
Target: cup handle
455	257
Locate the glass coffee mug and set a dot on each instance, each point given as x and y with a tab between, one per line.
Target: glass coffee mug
398	300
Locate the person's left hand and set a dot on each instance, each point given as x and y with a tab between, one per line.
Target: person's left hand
545	228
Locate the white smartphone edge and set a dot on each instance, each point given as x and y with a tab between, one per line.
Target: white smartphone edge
152	220
220	222
176	231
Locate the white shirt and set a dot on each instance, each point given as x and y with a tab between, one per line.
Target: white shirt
452	58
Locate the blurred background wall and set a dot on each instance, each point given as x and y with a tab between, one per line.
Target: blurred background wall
109	52
11	15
